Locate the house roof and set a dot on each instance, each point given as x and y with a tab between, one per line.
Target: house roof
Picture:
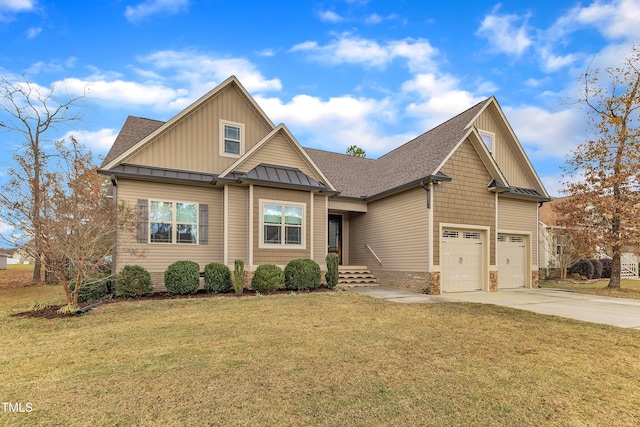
413	161
280	175
133	130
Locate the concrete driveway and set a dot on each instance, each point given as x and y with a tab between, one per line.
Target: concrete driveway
624	313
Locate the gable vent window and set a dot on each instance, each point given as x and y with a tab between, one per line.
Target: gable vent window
489	139
231	139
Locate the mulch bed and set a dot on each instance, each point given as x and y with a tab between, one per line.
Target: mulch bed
52	312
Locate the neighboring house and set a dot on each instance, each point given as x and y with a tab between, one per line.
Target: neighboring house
455	209
553	245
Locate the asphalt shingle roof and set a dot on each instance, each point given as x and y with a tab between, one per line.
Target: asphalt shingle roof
133	130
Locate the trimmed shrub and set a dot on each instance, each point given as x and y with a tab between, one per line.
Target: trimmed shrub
267	278
607	265
182	277
133	281
217	278
597	268
332	275
583	267
302	274
238	276
94	288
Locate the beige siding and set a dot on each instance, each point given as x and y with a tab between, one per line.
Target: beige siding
156	257
279	151
396	228
193	143
347	205
238	232
319	228
279	256
466	199
512	169
520	216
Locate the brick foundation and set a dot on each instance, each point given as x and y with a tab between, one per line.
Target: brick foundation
411	281
493	281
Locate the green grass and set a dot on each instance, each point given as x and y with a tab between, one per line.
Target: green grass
629	288
316	359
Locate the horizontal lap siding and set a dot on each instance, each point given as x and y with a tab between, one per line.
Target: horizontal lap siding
319	228
238	235
156	257
193	143
279	256
520	215
466	199
396	228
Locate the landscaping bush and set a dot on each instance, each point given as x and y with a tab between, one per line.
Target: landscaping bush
607	264
267	278
133	281
597	268
182	277
238	276
217	278
302	274
583	267
94	288
332	275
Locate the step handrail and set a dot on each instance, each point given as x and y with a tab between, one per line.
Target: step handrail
373	254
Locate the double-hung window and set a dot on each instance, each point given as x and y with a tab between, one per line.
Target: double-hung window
173	222
282	224
231	139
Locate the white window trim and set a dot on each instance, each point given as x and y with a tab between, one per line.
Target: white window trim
222	138
283	245
493	139
174	223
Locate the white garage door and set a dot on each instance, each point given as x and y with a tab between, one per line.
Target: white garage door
512	253
463	260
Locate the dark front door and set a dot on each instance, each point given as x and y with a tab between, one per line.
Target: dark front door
335	236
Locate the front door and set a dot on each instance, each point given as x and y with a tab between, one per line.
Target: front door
335	236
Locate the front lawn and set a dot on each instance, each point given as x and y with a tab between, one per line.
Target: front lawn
630	288
334	358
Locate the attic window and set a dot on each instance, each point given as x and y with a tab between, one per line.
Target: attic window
231	139
488	138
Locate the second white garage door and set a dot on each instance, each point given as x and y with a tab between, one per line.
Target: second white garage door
463	260
512	254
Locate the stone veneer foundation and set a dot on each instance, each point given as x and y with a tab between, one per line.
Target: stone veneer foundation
411	281
493	281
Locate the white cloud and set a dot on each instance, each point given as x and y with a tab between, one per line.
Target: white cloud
506	33
440	98
615	19
33	32
373	19
8	8
330	16
99	142
53	66
152	7
338	122
348	49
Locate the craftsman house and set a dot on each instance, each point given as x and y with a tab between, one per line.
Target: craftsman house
455	209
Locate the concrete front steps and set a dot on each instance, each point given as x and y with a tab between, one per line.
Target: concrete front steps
356	275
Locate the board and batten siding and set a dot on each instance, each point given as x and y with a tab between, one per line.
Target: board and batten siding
193	143
396	228
503	153
156	257
520	216
279	151
466	199
238	227
279	256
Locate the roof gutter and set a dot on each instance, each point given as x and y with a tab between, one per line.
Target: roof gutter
437	178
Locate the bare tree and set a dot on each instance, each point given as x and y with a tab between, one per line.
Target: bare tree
34	117
601	175
77	230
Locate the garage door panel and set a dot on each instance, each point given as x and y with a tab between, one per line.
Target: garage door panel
463	260
512	258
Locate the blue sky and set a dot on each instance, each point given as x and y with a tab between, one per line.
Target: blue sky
336	72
